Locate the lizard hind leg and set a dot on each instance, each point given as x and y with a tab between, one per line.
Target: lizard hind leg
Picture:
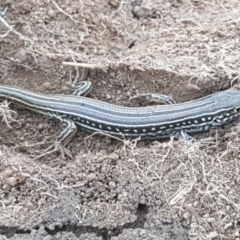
64	137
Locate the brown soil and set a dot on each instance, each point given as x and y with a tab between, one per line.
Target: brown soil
113	189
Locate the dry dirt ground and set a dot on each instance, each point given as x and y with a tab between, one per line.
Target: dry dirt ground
113	189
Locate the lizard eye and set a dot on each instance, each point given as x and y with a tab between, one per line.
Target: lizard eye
237	109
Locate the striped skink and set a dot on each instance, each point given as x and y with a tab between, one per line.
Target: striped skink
152	122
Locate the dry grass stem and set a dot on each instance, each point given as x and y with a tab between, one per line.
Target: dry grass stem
6	113
11	29
85	65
